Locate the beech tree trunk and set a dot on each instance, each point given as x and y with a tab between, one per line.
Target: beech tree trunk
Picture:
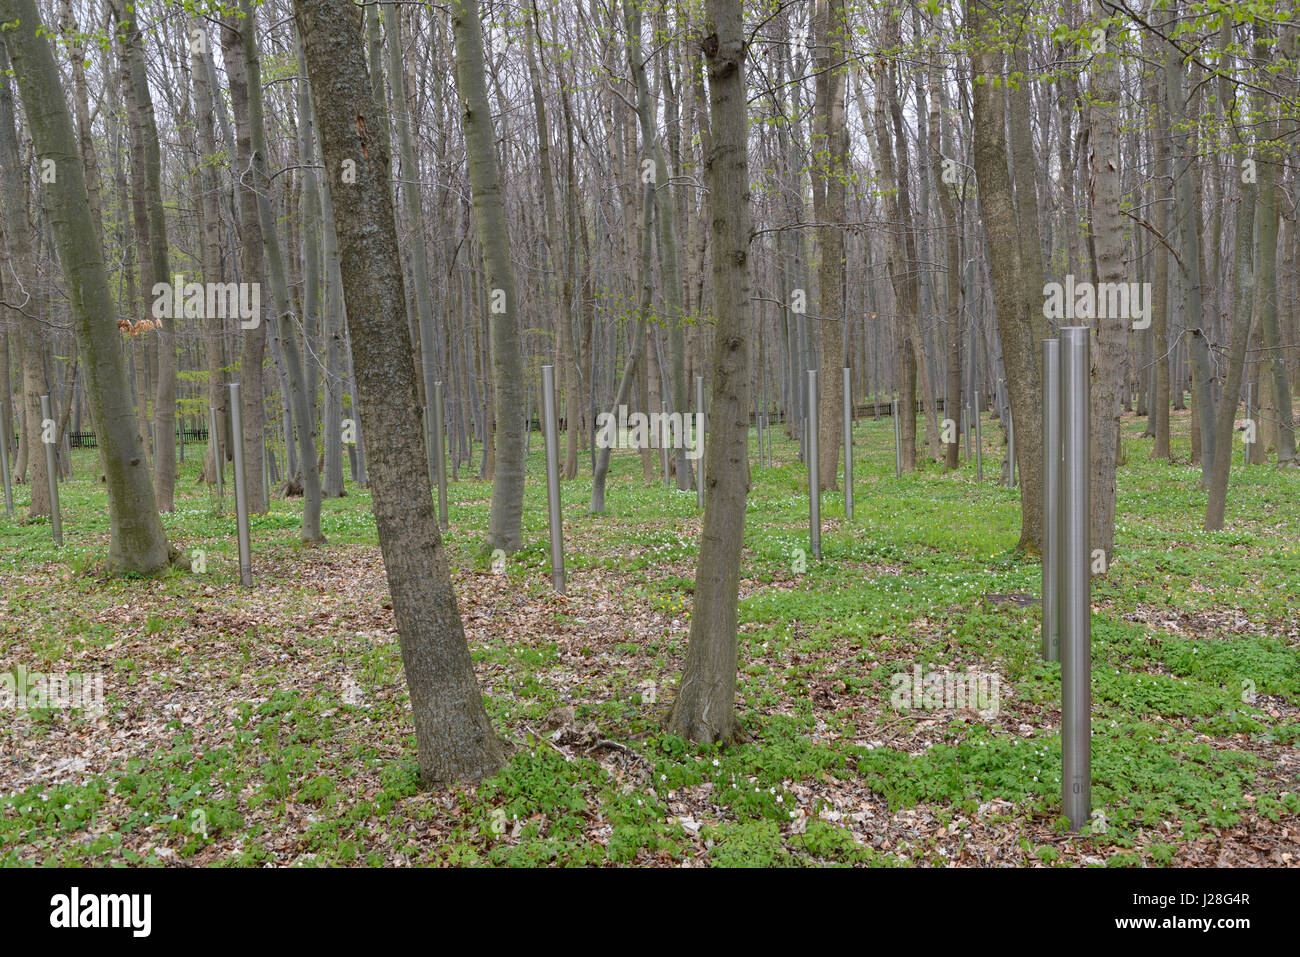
506	516
137	543
454	737
704	709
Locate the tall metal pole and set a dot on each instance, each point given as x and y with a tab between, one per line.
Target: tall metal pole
965	428
848	444
4	457
440	454
814	479
51	472
1051	633
553	478
1250	389
699	441
241	490
898	445
1076	605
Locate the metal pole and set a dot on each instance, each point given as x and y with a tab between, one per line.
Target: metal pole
4	457
699	441
1051	633
898	445
1076	621
51	467
553	478
241	490
814	479
848	444
440	453
1250	389
965	428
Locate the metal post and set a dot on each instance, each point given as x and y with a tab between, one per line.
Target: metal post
848	444
699	441
440	453
218	460
51	471
814	479
553	478
4	457
1250	389
898	444
965	428
1075	567
1051	633
241	490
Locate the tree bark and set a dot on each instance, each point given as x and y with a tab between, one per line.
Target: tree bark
136	540
704	709
506	515
454	737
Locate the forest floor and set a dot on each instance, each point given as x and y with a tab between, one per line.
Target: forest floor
272	726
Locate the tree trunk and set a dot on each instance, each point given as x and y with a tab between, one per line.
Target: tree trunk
506	516
136	540
252	387
151	235
1018	324
454	737
704	710
27	295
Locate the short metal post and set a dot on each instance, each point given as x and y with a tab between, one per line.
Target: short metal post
814	479
51	471
553	478
440	453
1051	632
848	444
241	489
1075	583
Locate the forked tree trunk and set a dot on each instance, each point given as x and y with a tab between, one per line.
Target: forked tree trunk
151	229
25	292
